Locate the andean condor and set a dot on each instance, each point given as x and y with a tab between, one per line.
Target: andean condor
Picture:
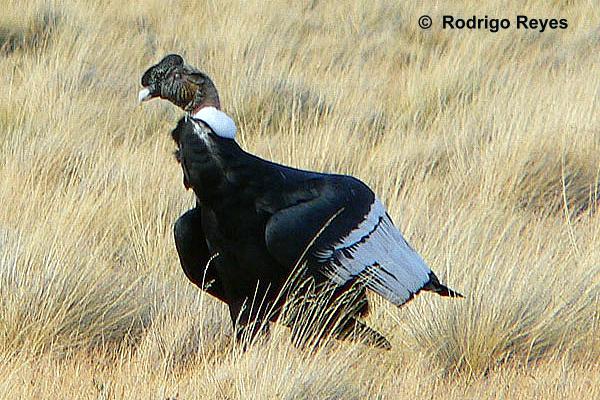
256	222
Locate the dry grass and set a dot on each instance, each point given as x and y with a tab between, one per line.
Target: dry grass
485	147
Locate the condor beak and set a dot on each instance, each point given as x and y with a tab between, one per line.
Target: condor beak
148	92
144	95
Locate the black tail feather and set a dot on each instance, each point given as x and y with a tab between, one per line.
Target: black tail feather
435	286
447	292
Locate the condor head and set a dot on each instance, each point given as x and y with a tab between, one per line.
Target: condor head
181	84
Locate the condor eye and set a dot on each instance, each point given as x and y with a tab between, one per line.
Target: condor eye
177	75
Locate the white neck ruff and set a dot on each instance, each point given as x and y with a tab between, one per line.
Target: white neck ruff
219	122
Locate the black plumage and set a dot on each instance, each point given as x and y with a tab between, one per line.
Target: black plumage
257	223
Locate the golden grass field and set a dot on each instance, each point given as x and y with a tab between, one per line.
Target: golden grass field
484	146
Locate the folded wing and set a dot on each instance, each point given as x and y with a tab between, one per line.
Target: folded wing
344	233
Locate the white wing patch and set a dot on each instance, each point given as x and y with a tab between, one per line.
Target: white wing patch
219	122
377	253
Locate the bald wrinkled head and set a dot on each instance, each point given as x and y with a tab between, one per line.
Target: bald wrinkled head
183	85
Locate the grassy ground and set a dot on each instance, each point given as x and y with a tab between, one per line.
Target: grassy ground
484	146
